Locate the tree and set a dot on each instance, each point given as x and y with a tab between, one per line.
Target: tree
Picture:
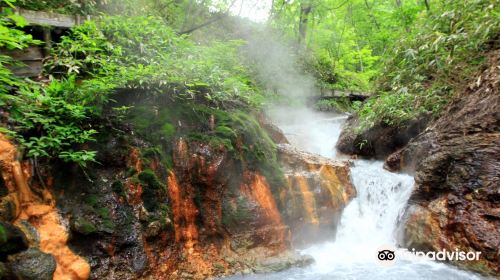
305	11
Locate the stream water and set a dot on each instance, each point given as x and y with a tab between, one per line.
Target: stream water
368	223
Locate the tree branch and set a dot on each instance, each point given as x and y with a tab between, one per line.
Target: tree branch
209	21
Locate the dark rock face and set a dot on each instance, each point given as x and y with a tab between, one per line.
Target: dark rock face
380	140
176	194
210	214
105	228
12	240
32	264
456	163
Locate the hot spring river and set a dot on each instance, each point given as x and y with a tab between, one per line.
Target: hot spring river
367	223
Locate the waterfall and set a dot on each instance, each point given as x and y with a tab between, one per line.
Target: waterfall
367	224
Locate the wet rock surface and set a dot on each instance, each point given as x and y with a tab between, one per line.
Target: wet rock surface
380	140
163	207
455	161
318	190
12	240
282	262
32	264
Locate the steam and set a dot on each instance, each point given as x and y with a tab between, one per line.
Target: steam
277	66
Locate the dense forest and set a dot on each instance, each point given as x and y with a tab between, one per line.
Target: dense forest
148	116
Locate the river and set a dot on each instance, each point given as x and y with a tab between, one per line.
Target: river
368	224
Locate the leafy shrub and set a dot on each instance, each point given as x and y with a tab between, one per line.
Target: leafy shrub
11	38
341	104
142	52
43	121
46	125
60	6
426	68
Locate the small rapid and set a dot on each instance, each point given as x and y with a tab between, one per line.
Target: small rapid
368	223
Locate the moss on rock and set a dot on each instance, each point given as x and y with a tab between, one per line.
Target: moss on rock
148	179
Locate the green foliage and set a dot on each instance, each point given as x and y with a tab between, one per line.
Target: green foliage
59	6
142	52
148	178
11	38
235	130
424	70
84	226
341	104
46	125
44	122
3	235
118	188
97	58
346	40
106	219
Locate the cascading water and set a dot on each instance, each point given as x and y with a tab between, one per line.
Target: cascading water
367	224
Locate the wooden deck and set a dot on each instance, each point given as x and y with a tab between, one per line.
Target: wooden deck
335	93
50	19
31	58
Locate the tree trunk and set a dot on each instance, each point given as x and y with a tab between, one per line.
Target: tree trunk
427	5
305	11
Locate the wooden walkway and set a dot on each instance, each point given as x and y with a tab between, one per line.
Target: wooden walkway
46	23
50	19
350	94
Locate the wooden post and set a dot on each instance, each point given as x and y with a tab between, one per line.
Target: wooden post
47	38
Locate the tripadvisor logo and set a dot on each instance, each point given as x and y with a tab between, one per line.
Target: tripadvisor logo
387	255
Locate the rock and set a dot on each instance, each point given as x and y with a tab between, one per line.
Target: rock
3	188
380	140
12	240
3	271
30	232
7	208
186	275
82	226
33	264
153	229
282	262
317	192
272	130
457	196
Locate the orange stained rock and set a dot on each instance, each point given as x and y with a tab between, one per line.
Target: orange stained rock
134	194
308	197
331	181
135	159
42	214
258	189
184	214
53	240
135	190
12	173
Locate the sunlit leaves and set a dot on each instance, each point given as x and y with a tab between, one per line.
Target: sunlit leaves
142	52
445	50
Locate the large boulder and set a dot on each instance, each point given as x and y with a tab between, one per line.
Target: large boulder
317	191
32	264
456	203
380	140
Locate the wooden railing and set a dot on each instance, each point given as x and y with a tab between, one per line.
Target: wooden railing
50	19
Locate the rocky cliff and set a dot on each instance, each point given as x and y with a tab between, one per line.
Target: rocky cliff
456	202
180	191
